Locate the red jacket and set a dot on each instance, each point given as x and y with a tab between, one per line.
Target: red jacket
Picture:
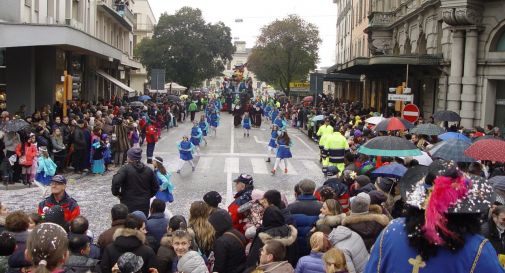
29	153
70	207
151	134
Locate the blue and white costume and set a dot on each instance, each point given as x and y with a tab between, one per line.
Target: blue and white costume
186	149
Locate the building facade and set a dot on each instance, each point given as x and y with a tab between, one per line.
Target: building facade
40	40
143	28
453	50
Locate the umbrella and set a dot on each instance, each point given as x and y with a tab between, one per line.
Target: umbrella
487	149
136	104
144	98
452	149
411	177
393	170
174	98
308	98
374	120
428	129
424	159
446	115
393	124
454	135
318	118
487	137
497	179
16	125
389	146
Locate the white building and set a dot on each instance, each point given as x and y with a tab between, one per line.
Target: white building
40	39
143	28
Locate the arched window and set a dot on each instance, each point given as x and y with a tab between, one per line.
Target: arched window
500	42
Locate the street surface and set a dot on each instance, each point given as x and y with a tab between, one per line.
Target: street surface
225	156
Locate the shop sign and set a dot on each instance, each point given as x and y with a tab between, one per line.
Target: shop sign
400	97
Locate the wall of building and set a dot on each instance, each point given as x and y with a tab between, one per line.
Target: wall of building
45	76
21	78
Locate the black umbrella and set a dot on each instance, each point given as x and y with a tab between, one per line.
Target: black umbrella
173	98
411	177
16	125
446	115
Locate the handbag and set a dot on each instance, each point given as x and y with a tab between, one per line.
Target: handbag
22	160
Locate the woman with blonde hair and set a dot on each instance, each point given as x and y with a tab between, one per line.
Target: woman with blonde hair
334	261
47	249
313	262
331	214
204	231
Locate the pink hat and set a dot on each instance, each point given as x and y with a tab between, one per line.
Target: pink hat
257	194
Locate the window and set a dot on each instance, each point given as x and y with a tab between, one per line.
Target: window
500	43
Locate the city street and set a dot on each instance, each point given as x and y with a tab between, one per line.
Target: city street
225	156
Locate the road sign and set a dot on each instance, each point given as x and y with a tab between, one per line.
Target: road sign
299	86
400	97
411	113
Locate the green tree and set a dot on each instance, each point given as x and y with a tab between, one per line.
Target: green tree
285	51
189	49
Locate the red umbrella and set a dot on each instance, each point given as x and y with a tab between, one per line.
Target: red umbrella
487	149
308	98
393	124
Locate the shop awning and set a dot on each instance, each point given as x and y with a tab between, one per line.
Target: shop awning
115	81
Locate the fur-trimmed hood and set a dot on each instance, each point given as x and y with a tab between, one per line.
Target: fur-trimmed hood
331	220
375	209
382	219
128	232
287	240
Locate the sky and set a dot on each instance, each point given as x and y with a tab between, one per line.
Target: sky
257	13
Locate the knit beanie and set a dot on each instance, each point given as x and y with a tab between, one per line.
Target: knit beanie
362	180
360	203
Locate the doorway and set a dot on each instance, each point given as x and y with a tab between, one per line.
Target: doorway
499	112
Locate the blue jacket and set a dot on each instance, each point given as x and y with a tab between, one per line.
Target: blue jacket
312	263
304	213
394	254
156	225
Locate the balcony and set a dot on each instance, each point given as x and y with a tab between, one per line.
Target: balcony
380	19
120	12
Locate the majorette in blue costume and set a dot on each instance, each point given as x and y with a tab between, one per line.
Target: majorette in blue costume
283	151
186	149
246	124
272	144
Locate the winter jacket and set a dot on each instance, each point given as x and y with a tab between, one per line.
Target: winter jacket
70	207
192	262
312	263
156	225
121	144
166	255
107	236
241	198
229	245
277	267
274	228
349	242
330	220
30	153
304	212
128	240
367	225
81	264
79	139
18	260
134	184
496	239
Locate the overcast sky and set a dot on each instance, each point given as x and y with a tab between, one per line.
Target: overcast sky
257	13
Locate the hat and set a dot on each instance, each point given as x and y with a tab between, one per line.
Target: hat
43	149
140	215
55	215
212	198
362	180
360	203
158	159
60	179
244	178
257	194
134	154
377	197
358	133
385	184
130	263
332	170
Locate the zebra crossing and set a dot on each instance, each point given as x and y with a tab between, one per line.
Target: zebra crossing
247	164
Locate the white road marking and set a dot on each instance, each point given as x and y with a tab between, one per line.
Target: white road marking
310	165
259	141
204	163
231	165
229	189
304	143
239	155
291	169
259	166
